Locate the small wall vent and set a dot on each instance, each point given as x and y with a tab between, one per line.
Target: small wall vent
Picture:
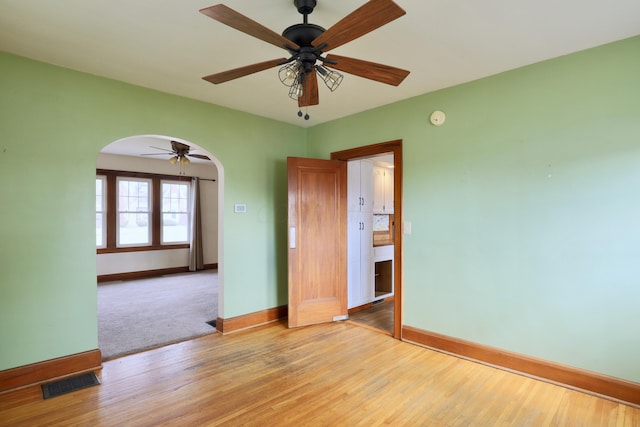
67	385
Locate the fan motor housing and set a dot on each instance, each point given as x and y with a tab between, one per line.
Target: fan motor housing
303	34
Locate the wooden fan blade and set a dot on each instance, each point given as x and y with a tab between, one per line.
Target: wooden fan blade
199	156
373	14
225	76
369	70
230	17
310	90
160	148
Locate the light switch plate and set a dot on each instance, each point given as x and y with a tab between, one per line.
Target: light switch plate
407	227
240	208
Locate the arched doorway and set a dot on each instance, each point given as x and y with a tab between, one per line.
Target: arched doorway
146	207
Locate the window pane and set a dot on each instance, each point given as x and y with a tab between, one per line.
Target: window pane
99	230
100	212
123	187
175	228
123	203
175	216
99	194
143	204
133	229
133	212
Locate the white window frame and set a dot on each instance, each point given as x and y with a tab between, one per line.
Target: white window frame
187	212
148	211
103	183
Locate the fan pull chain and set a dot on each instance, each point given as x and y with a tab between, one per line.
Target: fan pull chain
306	116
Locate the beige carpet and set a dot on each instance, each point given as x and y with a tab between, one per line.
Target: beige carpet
141	314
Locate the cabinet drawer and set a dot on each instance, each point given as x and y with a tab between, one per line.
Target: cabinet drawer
383	253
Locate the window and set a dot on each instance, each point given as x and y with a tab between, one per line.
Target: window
141	211
175	212
134	206
100	212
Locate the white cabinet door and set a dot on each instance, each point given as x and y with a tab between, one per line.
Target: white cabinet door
353	187
367	267
388	192
382	190
360	186
354	273
378	190
360	267
366	185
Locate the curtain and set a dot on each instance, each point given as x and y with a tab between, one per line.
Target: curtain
196	260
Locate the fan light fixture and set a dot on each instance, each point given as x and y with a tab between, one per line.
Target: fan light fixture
179	159
292	75
331	78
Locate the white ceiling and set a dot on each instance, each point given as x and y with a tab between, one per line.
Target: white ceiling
169	46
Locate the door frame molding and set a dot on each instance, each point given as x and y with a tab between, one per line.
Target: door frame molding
374	150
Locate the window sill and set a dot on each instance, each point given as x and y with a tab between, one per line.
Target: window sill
141	248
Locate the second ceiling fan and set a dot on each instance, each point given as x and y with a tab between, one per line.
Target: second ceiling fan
307	44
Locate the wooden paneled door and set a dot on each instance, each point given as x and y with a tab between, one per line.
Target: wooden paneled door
317	254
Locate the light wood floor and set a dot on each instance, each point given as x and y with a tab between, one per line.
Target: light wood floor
379	316
329	375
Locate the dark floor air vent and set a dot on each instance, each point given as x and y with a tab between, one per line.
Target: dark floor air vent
212	323
68	385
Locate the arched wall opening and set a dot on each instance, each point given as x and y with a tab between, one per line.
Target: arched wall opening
150	154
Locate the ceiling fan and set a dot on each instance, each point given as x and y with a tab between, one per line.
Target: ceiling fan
179	152
307	43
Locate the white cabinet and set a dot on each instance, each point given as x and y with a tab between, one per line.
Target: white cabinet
360	186
382	190
360	265
383	266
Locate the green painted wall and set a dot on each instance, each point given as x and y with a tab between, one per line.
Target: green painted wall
54	122
525	207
